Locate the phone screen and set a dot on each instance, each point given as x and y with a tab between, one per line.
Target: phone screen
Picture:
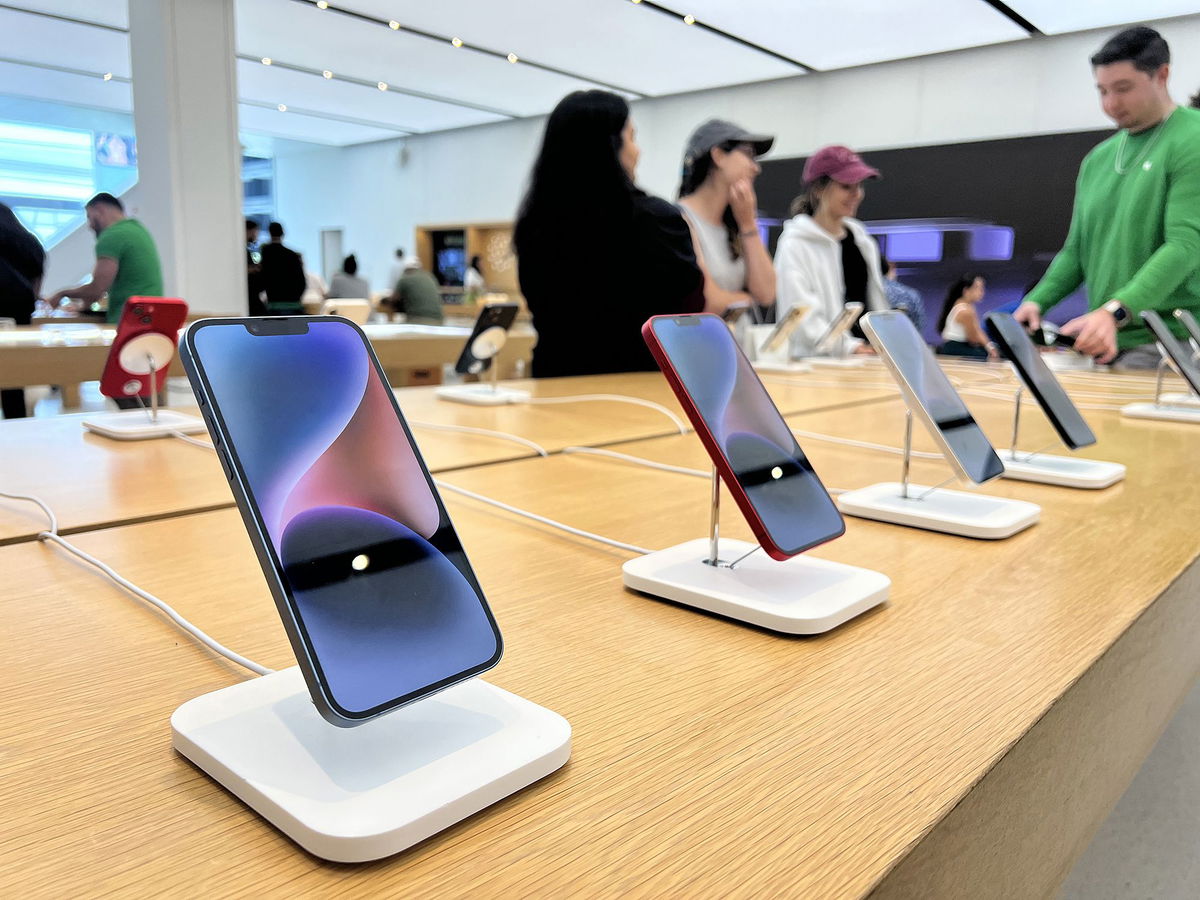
1017	347
1179	352
738	414
381	592
893	334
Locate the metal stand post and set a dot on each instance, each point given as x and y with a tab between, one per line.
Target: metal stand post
1016	418
495	379
714	528
904	465
1158	378
153	389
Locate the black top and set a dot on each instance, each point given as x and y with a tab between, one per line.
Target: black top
282	274
854	274
590	295
22	261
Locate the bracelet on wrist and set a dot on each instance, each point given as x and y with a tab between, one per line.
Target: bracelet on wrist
749	232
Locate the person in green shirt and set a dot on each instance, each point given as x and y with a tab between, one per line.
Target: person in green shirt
1135	229
127	262
416	295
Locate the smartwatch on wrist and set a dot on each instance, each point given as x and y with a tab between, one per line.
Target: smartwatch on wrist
1117	310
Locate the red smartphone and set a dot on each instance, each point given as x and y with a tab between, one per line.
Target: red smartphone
752	447
156	322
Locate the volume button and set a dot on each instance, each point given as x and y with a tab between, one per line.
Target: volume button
225	464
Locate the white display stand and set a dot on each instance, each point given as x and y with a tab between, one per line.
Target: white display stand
838	362
802	595
1162	408
486	345
1069	361
935	509
1173	399
362	793
1064	471
144	355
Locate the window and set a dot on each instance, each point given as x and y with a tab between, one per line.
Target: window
46	175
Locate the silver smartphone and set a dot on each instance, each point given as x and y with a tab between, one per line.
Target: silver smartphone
930	396
839	326
1177	353
783	328
1185	318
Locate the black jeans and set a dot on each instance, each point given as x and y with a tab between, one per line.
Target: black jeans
12	403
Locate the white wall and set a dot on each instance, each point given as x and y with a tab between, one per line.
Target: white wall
1035	86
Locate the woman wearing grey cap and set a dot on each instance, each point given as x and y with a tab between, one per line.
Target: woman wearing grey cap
717	197
825	259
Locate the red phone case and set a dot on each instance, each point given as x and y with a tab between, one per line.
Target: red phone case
141	315
710	442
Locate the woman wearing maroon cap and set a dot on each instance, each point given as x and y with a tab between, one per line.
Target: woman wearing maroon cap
825	258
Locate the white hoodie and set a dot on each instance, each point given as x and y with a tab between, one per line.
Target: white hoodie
808	272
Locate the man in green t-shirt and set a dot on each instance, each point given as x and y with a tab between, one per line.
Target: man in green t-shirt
1135	230
126	259
416	295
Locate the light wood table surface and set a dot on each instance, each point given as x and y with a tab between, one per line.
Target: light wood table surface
963	740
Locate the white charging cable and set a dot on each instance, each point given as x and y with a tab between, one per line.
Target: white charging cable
485	432
196	442
590	535
638	461
53	536
615	398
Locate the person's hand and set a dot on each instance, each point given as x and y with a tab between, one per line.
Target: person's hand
992	352
864	349
1029	315
744	204
1095	335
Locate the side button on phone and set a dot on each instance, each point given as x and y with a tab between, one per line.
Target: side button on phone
225	464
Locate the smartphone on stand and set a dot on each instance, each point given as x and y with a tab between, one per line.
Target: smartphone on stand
161	317
930	396
1017	347
844	322
783	329
370	579
487	338
752	447
1178	353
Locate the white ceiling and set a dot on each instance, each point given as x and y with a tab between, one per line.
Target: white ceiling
640	49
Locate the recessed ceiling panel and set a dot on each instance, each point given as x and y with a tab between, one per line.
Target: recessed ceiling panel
33	38
105	12
298	127
63	87
273	84
1059	16
833	34
305	35
618	43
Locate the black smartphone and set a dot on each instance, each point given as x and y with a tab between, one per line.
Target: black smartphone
375	592
1179	354
487	338
930	396
770	478
1185	318
1014	343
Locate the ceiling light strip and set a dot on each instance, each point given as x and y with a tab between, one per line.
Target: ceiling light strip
51	67
448	39
373	85
695	23
332	117
1006	10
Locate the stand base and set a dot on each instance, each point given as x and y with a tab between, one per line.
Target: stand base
1067	361
951	512
1067	471
838	362
481	394
135	424
803	595
362	793
1188	401
785	368
1167	413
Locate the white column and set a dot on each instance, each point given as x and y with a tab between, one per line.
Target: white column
189	157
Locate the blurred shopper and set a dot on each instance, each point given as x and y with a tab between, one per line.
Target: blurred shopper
825	258
254	283
716	196
582	202
473	283
962	334
346	283
901	296
1135	231
127	263
22	262
416	295
284	282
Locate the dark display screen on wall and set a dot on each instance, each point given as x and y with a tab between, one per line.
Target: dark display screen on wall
1000	209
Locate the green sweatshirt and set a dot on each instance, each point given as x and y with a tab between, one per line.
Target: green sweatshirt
1135	230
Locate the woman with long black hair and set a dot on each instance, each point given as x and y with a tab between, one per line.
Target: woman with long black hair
962	335
637	254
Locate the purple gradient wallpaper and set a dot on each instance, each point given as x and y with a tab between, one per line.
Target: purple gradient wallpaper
770	466
380	584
